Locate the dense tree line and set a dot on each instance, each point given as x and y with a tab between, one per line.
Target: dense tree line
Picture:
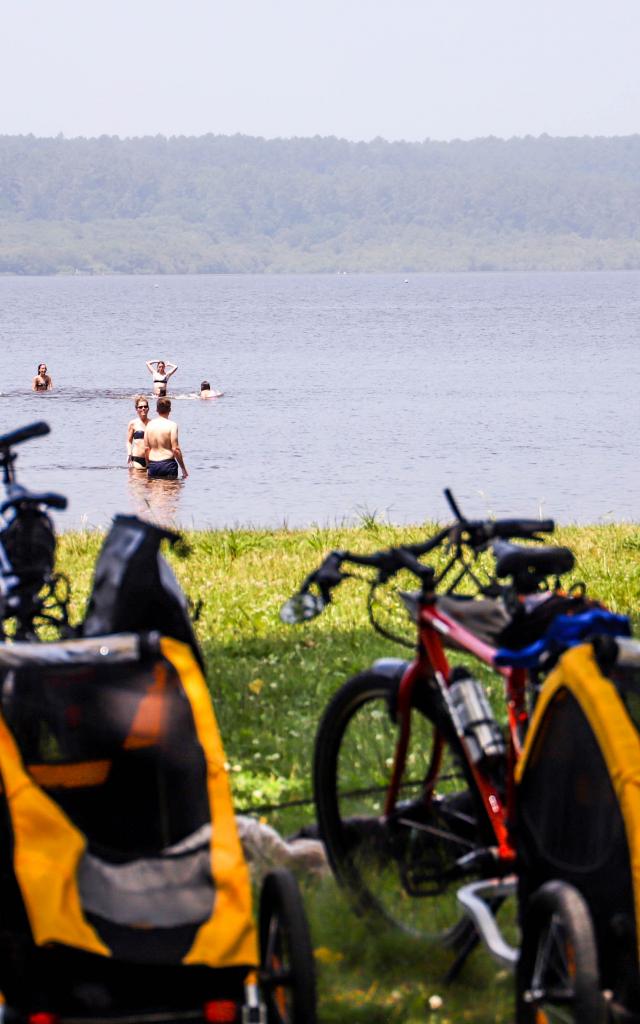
242	204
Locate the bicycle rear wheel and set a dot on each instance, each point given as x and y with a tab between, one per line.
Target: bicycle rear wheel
399	868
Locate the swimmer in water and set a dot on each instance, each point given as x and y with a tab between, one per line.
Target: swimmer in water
42	381
135	435
206	392
161	372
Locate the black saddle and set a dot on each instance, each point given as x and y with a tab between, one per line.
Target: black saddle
531	563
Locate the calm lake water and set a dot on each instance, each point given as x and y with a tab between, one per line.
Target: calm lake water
344	395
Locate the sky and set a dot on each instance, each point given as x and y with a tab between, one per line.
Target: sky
357	69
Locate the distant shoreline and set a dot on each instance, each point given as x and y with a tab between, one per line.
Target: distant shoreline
326	273
239	204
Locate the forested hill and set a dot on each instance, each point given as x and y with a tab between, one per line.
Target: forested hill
236	204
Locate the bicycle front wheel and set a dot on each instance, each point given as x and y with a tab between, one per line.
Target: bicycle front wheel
398	867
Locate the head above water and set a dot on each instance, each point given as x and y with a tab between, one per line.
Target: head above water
141	403
42	369
161	366
163	405
205	386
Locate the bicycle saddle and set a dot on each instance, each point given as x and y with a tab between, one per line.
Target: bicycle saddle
518	561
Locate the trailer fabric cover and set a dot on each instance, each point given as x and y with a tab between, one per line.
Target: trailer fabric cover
578	678
121	824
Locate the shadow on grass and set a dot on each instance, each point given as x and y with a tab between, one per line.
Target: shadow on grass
367	973
269	694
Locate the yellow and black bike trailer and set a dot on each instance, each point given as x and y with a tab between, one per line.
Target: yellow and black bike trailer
124	892
578	841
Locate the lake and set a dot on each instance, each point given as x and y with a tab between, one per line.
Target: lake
344	395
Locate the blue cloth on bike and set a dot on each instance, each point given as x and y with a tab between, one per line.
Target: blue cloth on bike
566	631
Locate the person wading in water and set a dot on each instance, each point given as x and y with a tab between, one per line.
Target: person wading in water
135	435
162	449
42	381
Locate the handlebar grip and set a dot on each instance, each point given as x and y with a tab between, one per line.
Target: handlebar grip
52	500
327	575
38	429
509	528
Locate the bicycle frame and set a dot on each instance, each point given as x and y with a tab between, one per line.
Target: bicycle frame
431	661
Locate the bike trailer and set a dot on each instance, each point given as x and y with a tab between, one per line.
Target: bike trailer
123	885
577	830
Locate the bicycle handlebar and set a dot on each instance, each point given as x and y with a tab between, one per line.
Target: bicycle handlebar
390	561
508	529
480	532
476	534
37	429
48	498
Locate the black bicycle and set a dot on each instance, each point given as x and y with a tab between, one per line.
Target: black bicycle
32	594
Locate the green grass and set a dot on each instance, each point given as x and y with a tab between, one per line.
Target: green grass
270	684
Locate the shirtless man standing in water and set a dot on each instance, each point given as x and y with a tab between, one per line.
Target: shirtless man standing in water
162	449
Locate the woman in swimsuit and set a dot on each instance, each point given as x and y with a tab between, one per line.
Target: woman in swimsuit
42	381
135	435
161	372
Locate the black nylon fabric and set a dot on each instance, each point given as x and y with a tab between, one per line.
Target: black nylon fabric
134	589
529	624
570	827
155	794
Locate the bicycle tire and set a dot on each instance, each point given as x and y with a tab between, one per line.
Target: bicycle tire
373	859
287	970
557	977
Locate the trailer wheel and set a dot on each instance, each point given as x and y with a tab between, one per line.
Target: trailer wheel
557	977
287	971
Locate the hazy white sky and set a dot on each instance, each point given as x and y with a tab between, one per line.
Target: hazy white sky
401	69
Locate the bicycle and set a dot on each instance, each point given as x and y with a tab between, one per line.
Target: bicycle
413	776
31	593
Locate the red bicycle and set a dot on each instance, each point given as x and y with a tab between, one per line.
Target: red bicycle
413	774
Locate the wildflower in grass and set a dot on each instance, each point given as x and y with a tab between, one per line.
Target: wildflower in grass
255	686
324	955
435	1002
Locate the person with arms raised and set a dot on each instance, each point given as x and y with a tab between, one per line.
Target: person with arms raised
161	372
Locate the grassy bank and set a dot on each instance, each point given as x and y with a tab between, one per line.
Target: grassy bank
270	683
